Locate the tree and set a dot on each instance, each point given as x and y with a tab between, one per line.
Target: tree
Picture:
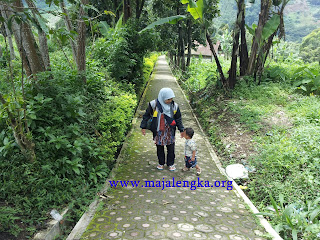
231	82
269	25
310	47
6	33
17	20
43	45
16	17
78	47
69	27
139	7
203	13
81	46
198	12
274	26
263	17
243	50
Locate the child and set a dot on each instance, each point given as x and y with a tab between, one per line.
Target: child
190	151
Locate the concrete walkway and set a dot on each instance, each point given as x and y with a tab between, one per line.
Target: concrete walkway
211	212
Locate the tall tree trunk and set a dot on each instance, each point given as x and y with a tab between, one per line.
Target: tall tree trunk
175	59
178	59
28	49
243	50
232	79
171	56
179	38
263	17
81	50
267	46
223	79
32	50
70	28
234	57
7	33
43	45
189	42
182	54
126	10
139	7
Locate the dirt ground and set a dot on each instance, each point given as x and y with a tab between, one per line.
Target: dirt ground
237	141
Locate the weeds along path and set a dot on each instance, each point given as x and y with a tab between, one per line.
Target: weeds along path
152	204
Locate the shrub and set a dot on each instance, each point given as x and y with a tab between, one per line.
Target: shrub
73	158
122	52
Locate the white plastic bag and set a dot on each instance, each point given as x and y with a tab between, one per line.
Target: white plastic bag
236	171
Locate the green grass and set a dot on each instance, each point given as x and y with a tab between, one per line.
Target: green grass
287	159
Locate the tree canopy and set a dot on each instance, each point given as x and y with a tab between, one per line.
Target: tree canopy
310	46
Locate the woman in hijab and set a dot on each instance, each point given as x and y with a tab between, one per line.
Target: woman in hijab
166	117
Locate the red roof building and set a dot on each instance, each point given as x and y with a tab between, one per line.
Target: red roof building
205	50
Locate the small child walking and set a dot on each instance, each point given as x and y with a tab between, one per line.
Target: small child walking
190	151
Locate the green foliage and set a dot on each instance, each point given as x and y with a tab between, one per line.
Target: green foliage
284	52
77	130
8	217
196	9
201	73
65	121
226	40
148	65
285	129
116	115
310	46
295	221
171	20
3	57
307	79
270	27
299	21
122	52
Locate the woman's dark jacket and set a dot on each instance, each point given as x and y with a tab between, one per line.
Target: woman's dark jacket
152	110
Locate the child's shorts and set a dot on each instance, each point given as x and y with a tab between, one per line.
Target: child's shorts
189	163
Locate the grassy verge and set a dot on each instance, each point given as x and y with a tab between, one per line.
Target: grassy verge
273	130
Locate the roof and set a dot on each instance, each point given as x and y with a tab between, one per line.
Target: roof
205	50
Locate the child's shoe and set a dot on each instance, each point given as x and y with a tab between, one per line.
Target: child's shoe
185	169
160	167
198	172
172	168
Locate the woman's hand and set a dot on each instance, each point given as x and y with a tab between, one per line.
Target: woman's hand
181	134
143	131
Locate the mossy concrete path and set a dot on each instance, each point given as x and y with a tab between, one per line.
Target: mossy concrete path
208	210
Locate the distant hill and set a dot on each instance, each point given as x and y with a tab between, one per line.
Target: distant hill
301	16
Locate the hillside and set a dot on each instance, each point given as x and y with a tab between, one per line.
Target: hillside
301	16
